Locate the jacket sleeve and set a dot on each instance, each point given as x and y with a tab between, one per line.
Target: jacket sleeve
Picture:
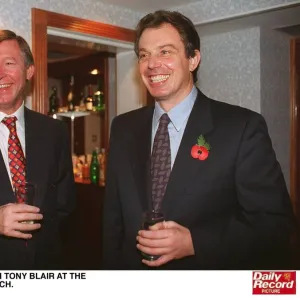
65	183
112	212
258	233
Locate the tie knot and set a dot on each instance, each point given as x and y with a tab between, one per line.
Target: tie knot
10	122
164	119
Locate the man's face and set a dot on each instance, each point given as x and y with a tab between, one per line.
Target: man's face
13	75
163	65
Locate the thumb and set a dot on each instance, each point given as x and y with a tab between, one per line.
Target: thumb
171	224
158	226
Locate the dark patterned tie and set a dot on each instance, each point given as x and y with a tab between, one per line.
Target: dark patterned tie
16	156
160	162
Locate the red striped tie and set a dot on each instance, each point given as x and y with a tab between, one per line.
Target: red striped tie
16	158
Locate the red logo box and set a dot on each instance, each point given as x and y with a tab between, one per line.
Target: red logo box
273	283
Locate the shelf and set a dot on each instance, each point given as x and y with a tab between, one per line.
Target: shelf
73	114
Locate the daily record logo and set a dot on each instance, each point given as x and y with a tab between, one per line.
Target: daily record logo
273	282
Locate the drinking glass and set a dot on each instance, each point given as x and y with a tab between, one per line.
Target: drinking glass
25	193
150	219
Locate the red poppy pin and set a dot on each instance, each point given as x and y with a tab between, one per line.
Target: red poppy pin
201	149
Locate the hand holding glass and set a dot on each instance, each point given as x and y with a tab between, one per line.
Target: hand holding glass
25	193
150	219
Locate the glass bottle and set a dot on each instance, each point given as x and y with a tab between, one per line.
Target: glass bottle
53	101
89	99
98	98
71	98
94	168
82	106
102	167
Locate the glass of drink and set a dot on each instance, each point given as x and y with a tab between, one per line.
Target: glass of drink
150	219
25	193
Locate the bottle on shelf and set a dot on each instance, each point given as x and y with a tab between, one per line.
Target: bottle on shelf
98	103
82	106
85	170
94	168
71	97
89	99
102	161
53	101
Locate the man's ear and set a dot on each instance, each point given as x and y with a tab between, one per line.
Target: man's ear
195	61
29	72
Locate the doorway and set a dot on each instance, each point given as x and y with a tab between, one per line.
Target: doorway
295	139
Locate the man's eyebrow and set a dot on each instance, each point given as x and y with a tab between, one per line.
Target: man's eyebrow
9	57
167	45
142	49
160	47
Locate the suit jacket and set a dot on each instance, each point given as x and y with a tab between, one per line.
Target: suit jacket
49	165
235	203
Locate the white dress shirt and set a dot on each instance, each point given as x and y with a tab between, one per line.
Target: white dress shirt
178	115
4	135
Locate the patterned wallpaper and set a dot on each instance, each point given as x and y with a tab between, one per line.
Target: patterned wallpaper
16	15
230	67
207	10
275	94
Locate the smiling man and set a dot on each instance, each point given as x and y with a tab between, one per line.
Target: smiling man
208	167
36	149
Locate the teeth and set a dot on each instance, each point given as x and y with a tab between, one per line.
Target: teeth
2	86
159	78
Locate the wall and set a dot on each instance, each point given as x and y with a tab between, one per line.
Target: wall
230	67
275	93
131	92
92	133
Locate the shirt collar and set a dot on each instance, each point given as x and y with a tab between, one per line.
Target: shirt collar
179	113
19	114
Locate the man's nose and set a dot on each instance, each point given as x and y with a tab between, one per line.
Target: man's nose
2	73
154	62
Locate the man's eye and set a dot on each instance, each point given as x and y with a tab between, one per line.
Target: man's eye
141	56
164	52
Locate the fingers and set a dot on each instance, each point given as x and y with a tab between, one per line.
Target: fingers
20	235
152	251
26	227
160	261
154	234
28	217
20	208
148	242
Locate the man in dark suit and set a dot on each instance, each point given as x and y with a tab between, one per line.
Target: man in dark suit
34	148
209	167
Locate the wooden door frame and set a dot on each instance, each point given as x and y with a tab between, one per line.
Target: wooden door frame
41	20
294	135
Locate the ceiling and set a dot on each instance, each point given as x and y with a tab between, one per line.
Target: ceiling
148	5
62	48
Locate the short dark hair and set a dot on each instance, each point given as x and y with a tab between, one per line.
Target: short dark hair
6	35
181	23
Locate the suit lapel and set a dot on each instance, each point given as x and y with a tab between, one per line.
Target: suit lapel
7	194
34	155
185	167
140	158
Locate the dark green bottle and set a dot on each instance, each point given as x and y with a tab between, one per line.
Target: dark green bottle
98	103
94	168
53	101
